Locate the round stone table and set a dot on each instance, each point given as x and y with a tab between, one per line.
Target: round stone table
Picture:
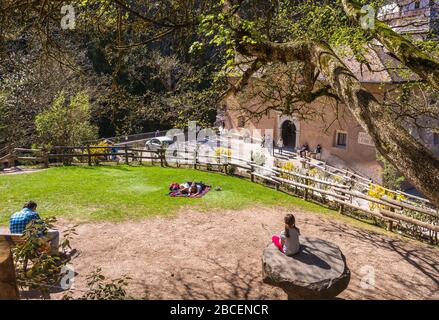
318	271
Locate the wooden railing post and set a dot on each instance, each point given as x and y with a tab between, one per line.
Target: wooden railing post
13	158
306	189
302	162
8	281
252	177
126	154
341	206
161	155
392	209
89	155
46	158
195	157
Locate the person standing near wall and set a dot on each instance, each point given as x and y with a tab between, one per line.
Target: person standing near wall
280	144
318	152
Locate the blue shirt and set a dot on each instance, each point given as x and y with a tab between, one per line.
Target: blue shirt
19	220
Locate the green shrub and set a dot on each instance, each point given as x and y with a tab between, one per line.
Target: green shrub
36	267
258	158
101	289
392	179
231	169
66	123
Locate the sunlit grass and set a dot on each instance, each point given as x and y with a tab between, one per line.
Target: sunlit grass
123	192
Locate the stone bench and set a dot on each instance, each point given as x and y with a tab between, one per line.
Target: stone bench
8	283
318	271
11	238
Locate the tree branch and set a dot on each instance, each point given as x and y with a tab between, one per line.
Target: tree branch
415	161
409	54
243	81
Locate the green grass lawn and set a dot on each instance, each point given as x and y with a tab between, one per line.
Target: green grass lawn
122	192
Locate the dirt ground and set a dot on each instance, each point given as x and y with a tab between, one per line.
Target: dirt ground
217	255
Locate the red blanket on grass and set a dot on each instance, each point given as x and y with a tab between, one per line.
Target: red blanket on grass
199	195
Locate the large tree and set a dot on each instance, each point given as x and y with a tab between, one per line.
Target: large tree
269	32
133	57
253	33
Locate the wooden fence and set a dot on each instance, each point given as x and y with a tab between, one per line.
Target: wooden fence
80	154
411	215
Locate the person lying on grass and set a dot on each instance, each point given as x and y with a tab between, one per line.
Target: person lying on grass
196	188
180	188
288	241
19	221
188	188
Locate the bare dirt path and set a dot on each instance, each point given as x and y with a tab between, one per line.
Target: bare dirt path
217	255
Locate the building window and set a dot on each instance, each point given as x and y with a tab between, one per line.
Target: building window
341	139
241	122
435	138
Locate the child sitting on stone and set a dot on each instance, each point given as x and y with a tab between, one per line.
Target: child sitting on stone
288	241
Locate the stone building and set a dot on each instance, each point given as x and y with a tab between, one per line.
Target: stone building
344	143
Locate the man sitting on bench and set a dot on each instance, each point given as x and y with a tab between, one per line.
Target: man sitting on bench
303	150
19	221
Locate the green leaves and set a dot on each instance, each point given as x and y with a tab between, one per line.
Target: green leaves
66	123
197	45
36	267
99	288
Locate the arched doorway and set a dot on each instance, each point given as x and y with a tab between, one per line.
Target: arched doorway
289	134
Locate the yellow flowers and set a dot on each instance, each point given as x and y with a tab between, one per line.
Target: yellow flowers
99	150
377	192
287	166
223	155
313	172
102	143
223	152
